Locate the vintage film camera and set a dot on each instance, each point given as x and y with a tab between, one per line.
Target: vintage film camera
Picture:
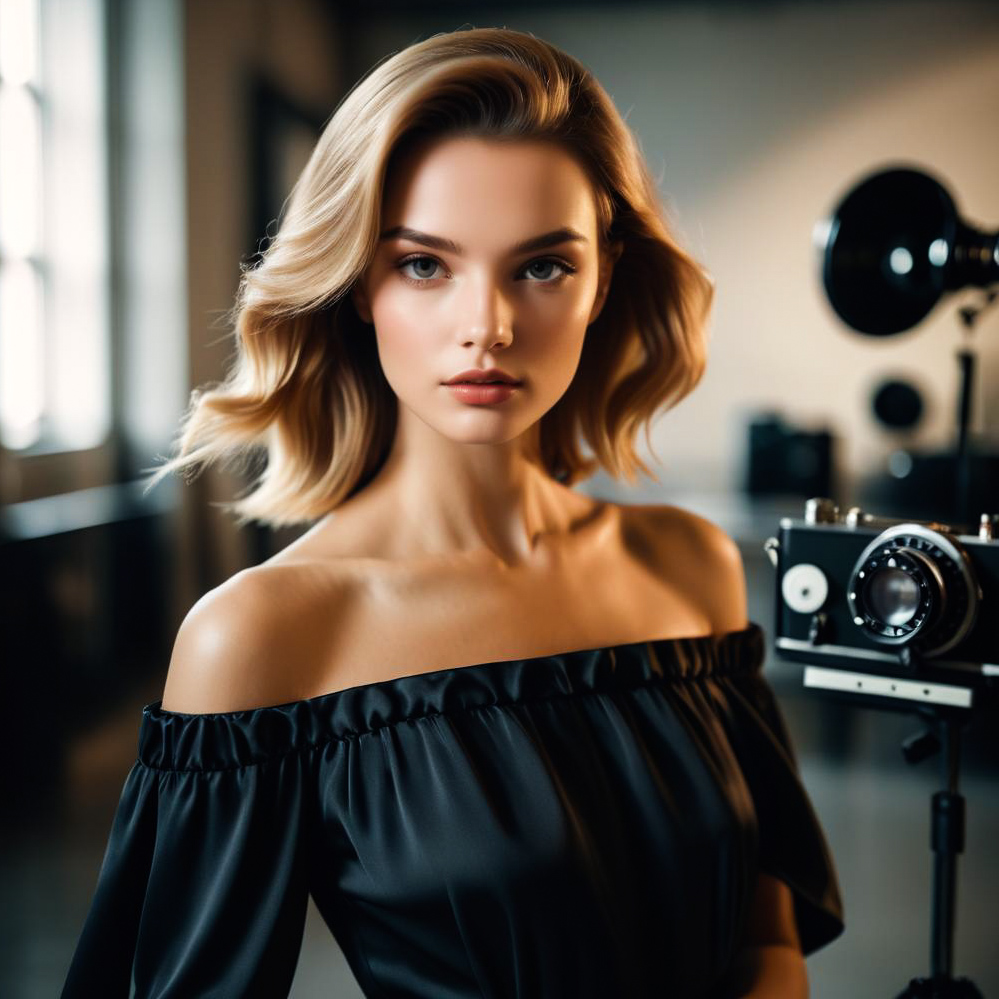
893	613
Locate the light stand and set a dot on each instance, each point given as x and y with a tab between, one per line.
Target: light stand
946	841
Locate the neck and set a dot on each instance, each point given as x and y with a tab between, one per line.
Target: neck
468	500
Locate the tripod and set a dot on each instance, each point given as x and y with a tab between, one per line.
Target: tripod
947	840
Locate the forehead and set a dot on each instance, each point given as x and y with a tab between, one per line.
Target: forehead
485	191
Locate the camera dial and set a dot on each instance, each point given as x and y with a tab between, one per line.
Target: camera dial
805	588
914	586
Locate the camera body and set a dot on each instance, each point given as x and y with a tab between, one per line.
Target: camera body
895	610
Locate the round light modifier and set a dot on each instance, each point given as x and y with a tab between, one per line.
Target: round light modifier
804	588
892	596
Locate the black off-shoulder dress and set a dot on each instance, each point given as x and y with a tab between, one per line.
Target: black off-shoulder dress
574	826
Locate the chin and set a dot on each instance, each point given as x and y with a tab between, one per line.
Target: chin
476	435
481	425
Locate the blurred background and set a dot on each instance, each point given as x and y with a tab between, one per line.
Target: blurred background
145	148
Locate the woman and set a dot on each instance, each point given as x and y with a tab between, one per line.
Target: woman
513	740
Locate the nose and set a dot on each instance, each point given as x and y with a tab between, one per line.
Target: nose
486	317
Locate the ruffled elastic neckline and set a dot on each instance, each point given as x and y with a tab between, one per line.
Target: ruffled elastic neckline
171	740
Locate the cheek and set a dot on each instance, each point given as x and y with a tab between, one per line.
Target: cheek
401	333
558	318
553	308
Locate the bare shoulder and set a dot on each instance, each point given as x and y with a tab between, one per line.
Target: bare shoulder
236	647
701	559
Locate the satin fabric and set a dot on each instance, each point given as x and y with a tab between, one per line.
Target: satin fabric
589	824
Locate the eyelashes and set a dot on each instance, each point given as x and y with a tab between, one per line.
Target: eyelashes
563	267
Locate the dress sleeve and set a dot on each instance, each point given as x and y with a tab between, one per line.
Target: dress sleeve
203	887
792	845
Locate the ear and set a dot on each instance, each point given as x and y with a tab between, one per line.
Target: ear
359	297
608	258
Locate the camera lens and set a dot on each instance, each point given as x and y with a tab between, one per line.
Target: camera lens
893	596
914	585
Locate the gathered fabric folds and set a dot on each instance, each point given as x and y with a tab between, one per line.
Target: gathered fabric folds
588	824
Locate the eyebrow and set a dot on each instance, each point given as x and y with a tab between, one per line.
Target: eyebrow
553	238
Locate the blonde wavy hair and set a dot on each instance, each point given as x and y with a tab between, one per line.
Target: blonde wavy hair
306	385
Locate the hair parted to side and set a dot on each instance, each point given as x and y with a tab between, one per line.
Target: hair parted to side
306	384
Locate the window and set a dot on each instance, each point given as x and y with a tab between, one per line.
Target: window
55	363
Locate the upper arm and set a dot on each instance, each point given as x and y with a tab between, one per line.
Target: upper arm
244	644
771	915
708	563
217	650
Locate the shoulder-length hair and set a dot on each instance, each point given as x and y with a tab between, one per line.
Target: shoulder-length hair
306	384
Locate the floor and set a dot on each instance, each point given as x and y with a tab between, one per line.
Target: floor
874	808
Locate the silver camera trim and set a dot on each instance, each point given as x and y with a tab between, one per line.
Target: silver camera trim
955	553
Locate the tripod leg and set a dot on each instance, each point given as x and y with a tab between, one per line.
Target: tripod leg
948	841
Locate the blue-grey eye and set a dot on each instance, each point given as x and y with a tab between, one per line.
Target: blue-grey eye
423	267
541	269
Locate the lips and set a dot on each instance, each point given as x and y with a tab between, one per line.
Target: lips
476	377
482	393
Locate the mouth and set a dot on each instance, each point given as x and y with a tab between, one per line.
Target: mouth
488	376
480	393
474	382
